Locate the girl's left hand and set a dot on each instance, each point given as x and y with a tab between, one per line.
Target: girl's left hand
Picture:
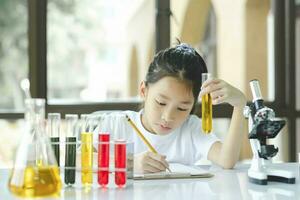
222	92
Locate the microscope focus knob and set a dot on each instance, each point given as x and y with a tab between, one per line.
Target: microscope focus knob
246	111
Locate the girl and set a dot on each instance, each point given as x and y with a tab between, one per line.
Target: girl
170	92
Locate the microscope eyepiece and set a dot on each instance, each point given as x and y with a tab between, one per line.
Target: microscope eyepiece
255	89
256	93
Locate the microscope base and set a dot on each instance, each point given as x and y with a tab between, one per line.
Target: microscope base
262	178
282	179
258	181
257	177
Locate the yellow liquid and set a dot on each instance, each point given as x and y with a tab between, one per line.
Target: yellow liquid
206	113
87	158
35	181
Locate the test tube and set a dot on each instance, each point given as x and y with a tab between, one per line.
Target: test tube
86	153
70	156
54	133
83	124
120	163
103	158
206	108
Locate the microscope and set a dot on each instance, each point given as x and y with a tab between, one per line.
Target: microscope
263	125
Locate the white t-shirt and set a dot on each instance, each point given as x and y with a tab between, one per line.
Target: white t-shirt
186	144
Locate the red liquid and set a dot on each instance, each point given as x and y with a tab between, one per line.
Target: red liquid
103	159
120	163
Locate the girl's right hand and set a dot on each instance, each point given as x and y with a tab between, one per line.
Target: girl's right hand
148	162
222	92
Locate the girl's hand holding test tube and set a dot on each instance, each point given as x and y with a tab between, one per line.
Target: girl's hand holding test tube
149	162
222	92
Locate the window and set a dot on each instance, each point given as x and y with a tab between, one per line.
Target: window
95	43
95	64
13	53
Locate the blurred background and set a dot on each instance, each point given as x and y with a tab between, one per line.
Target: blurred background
86	55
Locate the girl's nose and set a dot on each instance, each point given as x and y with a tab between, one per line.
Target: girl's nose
168	115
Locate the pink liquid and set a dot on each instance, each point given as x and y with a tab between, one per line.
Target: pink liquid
103	159
120	163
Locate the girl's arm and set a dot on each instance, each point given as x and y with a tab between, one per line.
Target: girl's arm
226	154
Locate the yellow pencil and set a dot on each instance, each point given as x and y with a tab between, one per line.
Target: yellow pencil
142	137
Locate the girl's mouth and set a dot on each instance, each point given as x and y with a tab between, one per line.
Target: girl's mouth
165	128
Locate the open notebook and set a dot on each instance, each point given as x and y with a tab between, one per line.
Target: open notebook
177	171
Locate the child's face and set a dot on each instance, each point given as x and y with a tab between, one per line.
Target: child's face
168	102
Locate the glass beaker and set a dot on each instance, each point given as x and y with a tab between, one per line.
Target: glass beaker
35	172
206	108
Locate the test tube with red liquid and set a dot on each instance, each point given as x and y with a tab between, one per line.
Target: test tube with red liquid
103	158
120	163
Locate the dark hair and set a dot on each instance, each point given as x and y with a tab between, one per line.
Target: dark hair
182	62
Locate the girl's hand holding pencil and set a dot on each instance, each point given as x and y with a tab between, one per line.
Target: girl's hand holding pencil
149	162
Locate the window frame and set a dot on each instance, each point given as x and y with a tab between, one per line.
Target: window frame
285	80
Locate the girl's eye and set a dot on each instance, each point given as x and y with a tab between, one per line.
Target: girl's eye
159	103
182	109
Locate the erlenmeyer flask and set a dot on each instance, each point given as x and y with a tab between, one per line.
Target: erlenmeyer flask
35	172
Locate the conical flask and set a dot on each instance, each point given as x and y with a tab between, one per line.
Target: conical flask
35	172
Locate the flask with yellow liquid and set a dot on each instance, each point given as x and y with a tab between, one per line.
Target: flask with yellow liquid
206	108
35	172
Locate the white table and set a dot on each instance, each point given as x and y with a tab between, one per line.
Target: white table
226	184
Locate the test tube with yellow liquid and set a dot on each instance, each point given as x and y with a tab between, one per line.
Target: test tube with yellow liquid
86	154
206	108
87	158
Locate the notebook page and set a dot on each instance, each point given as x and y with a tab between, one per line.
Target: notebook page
177	171
180	168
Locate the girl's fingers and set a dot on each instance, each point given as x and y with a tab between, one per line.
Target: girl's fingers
211	88
159	158
156	164
222	92
220	99
150	169
153	165
210	81
217	94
